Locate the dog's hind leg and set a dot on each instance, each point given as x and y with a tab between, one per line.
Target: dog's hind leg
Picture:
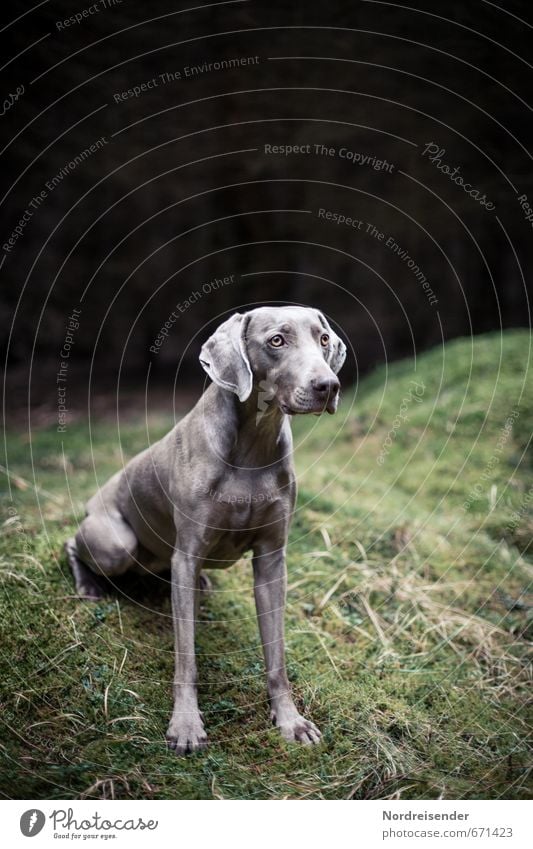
105	545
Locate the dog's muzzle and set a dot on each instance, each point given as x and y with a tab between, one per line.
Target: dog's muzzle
321	396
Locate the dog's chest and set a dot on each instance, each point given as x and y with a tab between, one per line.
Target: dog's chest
240	501
242	507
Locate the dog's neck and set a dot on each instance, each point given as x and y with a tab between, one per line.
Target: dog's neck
262	429
261	432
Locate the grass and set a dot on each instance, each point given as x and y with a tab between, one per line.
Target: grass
407	622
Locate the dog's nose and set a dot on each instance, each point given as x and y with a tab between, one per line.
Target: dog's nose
326	386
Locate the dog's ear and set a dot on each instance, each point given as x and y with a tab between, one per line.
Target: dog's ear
337	353
224	357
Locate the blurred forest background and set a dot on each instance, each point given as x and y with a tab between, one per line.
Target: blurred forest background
181	190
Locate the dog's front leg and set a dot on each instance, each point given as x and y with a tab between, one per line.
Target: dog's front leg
269	588
186	730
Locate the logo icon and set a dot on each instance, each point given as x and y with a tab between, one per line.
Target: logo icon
31	822
267	392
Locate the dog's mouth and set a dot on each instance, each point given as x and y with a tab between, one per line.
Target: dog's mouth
315	409
290	411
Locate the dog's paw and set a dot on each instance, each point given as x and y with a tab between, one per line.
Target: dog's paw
297	729
186	735
88	587
89	591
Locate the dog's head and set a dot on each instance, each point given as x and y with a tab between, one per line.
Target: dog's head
290	355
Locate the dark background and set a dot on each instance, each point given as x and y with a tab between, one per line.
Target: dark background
185	193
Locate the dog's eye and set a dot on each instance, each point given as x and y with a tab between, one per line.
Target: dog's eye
324	340
277	341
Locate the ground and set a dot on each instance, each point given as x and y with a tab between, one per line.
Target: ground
407	620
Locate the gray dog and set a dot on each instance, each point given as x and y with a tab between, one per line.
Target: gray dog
219	484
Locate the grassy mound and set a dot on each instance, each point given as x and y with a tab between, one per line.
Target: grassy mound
407	622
